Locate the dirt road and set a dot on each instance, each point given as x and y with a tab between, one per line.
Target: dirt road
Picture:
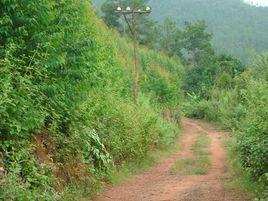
159	184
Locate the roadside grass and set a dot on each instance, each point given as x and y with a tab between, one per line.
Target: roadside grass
201	142
197	165
127	170
239	182
191	166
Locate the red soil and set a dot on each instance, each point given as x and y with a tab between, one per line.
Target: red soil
159	184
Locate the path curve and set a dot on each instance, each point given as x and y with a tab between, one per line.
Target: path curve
159	184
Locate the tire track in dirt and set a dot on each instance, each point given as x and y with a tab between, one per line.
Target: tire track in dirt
159	184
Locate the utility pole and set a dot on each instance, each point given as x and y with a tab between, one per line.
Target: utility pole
133	12
136	61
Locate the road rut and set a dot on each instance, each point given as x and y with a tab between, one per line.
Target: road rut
159	184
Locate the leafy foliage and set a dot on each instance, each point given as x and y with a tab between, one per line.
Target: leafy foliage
117	21
242	108
239	29
66	109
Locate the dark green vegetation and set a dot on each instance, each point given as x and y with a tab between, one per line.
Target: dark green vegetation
238	29
239	103
115	20
240	181
198	164
223	90
66	107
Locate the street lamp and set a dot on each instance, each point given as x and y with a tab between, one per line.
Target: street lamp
133	12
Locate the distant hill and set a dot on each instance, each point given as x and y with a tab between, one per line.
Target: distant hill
239	29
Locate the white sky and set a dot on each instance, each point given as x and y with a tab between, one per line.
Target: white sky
263	3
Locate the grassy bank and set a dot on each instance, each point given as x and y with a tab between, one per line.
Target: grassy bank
239	181
126	171
241	108
66	107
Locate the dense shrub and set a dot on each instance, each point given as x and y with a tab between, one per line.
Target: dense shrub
43	69
253	131
243	109
160	76
66	108
12	189
127	130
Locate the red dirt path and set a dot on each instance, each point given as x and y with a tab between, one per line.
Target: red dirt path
159	184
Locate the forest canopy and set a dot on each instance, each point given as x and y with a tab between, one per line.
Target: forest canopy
239	29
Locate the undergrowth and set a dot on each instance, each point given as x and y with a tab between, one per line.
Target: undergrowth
239	181
242	109
66	106
126	171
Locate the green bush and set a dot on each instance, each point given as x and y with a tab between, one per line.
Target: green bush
245	111
195	107
11	188
253	131
66	79
43	69
127	130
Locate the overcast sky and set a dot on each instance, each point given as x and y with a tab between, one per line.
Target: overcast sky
263	3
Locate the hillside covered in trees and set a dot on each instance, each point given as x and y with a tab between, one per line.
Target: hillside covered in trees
66	107
68	122
239	29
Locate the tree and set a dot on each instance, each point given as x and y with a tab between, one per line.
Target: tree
169	37
110	17
147	36
224	81
201	77
145	26
191	44
230	65
196	41
261	66
213	70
